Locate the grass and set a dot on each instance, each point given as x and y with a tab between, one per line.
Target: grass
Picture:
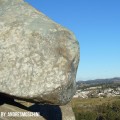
87	107
77	102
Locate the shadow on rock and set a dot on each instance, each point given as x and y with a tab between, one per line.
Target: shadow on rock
49	112
4	99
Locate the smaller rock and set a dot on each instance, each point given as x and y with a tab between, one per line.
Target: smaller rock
45	112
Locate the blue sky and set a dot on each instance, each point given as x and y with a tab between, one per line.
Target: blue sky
96	25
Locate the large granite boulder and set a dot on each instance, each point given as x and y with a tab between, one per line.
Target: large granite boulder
38	57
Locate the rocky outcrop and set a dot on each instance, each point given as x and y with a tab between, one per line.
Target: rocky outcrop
20	110
38	57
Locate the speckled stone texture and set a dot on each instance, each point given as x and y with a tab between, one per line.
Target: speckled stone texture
38	57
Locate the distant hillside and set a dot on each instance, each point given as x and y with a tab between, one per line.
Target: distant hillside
99	81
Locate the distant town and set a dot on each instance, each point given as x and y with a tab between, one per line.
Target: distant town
98	88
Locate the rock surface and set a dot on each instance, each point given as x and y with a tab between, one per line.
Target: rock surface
38	57
18	110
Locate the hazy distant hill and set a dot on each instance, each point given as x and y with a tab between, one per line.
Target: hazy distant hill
100	81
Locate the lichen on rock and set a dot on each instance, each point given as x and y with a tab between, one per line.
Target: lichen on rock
38	57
